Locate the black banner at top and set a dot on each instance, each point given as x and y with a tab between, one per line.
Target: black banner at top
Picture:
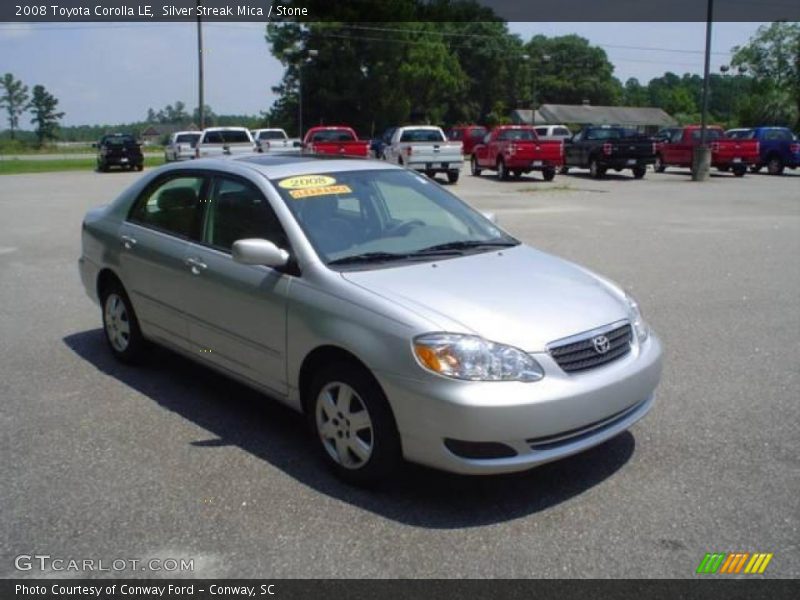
33	11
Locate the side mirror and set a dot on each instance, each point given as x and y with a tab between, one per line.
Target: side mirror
491	216
259	252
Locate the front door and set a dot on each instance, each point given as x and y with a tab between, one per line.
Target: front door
237	313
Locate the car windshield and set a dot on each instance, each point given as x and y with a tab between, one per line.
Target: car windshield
187	138
332	135
376	218
271	135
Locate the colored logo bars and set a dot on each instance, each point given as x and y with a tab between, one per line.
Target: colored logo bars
734	562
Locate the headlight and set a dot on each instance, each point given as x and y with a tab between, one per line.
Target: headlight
475	359
641	328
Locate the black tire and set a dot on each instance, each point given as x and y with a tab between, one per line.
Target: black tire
775	165
385	453
639	172
516	174
139	167
473	166
102	167
739	170
452	177
595	170
659	165
114	322
549	174
564	170
502	172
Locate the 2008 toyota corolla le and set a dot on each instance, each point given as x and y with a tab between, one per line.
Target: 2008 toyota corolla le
402	322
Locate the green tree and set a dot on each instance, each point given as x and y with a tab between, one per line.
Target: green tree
634	93
773	55
568	70
45	117
15	100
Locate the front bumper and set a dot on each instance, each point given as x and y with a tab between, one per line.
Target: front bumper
542	421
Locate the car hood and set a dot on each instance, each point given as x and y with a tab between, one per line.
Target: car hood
519	296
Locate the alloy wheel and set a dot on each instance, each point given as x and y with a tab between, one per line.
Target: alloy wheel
117	323
344	425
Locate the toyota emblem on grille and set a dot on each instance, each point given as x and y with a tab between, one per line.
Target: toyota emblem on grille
601	344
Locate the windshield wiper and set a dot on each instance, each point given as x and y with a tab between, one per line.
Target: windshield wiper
368	257
465	245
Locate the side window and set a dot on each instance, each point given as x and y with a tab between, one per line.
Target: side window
676	136
172	206
541	131
237	210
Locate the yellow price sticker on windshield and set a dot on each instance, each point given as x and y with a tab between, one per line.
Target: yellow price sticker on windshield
306	181
320	191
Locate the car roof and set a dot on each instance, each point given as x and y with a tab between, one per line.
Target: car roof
276	166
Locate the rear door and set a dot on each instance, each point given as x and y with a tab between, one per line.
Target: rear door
153	242
237	313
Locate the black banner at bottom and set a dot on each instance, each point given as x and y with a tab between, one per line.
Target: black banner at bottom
383	589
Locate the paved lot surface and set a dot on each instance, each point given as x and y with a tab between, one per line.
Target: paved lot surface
103	461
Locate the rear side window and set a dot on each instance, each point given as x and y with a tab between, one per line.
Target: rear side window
561	131
335	135
541	130
172	206
421	135
517	135
778	134
238	211
227	137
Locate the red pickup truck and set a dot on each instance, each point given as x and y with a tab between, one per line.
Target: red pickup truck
339	140
678	146
512	150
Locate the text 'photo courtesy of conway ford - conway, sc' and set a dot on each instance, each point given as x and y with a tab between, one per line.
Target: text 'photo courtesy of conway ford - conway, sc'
403	323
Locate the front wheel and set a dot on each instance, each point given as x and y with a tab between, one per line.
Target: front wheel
739	171
775	166
639	172
120	325
473	166
354	425
452	177
659	165
549	174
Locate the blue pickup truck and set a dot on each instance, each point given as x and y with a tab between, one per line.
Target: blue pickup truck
779	148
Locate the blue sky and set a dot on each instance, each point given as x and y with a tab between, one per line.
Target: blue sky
106	73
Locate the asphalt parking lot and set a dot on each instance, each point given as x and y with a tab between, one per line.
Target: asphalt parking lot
104	461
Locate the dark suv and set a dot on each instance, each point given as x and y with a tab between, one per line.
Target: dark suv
119	149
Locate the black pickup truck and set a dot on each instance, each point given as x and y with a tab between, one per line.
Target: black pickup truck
119	149
600	148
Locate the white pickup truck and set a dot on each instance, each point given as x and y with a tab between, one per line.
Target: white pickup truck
425	148
219	141
181	146
275	140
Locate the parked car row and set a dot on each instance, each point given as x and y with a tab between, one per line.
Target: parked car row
508	150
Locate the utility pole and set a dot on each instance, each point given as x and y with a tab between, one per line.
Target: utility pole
202	106
701	160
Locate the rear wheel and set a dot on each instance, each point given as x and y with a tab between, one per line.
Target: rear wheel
775	166
139	167
473	166
549	174
452	177
595	170
639	172
353	424
502	172
659	165
120	324
739	170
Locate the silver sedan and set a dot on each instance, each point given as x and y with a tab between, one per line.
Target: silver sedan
400	321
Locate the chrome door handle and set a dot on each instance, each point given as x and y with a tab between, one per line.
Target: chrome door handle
196	264
128	241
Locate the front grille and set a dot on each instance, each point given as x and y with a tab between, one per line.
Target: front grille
583	354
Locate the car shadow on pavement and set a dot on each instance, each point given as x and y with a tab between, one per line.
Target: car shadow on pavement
239	416
607	177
